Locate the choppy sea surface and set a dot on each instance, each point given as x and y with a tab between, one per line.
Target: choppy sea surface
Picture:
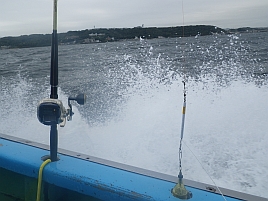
134	100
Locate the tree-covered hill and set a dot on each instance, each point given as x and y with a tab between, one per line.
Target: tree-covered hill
105	35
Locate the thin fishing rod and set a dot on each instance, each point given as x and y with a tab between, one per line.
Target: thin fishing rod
54	56
179	189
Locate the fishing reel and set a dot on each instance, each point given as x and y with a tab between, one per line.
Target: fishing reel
51	111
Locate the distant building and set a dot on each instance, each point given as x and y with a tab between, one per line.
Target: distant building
96	34
90	40
142	26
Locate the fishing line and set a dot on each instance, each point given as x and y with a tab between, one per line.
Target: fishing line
205	171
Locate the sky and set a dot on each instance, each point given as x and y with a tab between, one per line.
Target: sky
24	17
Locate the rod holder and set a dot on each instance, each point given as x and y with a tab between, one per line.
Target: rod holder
179	190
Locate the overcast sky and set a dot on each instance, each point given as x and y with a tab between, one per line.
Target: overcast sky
23	17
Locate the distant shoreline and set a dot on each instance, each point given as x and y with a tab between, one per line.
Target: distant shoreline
117	34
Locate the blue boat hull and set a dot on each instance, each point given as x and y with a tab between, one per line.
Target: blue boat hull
99	179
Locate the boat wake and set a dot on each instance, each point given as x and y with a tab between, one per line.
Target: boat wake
133	114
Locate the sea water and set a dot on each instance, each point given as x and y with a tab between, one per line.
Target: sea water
134	101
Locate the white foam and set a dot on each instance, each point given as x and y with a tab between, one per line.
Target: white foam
226	128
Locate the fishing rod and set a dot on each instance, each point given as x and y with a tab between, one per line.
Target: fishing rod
51	111
179	189
54	83
54	55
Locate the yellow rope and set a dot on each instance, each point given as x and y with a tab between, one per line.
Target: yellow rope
40	178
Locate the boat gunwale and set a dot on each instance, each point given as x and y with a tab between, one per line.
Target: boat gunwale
138	170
